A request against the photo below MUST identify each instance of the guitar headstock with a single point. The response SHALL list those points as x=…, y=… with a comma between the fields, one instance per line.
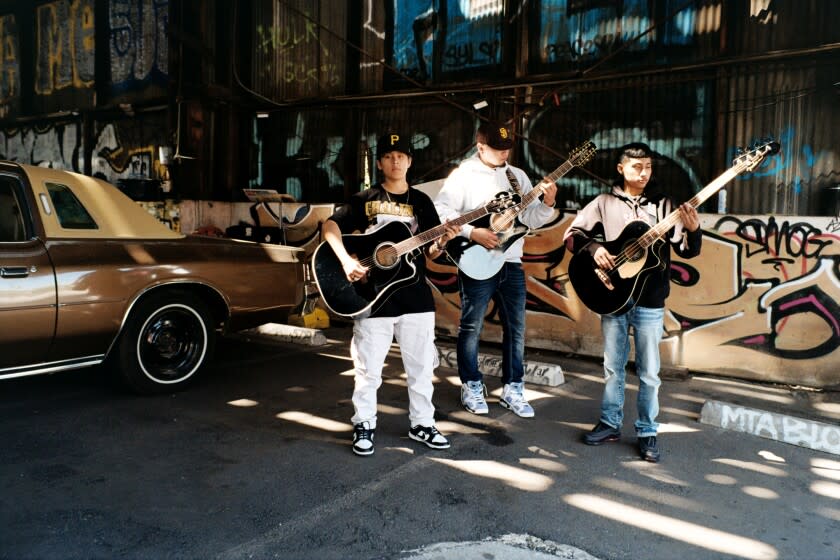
x=583, y=153
x=751, y=159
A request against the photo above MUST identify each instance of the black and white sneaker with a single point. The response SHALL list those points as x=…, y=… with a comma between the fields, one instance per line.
x=428, y=435
x=362, y=439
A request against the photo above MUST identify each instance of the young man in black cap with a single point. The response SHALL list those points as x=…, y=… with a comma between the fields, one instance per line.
x=634, y=196
x=409, y=314
x=476, y=181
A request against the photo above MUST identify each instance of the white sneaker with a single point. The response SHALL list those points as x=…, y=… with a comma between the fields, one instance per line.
x=472, y=397
x=514, y=399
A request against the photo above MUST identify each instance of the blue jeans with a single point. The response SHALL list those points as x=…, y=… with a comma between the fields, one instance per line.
x=647, y=333
x=507, y=290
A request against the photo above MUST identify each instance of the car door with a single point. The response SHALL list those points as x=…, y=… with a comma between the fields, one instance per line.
x=27, y=285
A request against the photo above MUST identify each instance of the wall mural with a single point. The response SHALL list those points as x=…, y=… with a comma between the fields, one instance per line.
x=139, y=43
x=54, y=145
x=124, y=149
x=467, y=33
x=9, y=65
x=64, y=35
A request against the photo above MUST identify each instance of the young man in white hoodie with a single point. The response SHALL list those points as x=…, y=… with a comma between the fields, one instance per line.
x=476, y=181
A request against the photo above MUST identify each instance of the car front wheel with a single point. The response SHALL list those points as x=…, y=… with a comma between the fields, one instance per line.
x=168, y=339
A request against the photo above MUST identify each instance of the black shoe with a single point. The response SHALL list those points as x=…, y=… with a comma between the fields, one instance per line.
x=648, y=449
x=601, y=433
x=429, y=435
x=362, y=439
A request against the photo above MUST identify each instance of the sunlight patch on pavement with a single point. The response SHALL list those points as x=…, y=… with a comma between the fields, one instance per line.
x=751, y=466
x=578, y=425
x=644, y=493
x=449, y=427
x=406, y=450
x=830, y=408
x=691, y=533
x=687, y=398
x=827, y=489
x=749, y=390
x=681, y=412
x=655, y=471
x=540, y=451
x=314, y=421
x=760, y=492
x=826, y=468
x=470, y=418
x=397, y=382
x=512, y=476
x=672, y=428
x=388, y=409
x=829, y=513
x=543, y=464
x=530, y=394
x=724, y=479
x=589, y=377
x=243, y=403
x=770, y=456
x=334, y=356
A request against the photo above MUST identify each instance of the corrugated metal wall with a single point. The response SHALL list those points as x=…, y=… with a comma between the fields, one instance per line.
x=299, y=49
x=785, y=101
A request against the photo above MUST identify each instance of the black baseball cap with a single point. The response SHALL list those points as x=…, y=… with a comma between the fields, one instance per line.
x=495, y=135
x=392, y=142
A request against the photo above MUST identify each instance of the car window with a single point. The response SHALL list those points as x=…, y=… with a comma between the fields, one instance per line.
x=71, y=214
x=11, y=215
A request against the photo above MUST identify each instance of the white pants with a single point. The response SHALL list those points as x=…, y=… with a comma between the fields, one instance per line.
x=372, y=337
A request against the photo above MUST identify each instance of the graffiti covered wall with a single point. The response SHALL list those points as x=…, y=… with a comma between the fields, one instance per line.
x=761, y=302
x=64, y=45
x=139, y=44
x=122, y=149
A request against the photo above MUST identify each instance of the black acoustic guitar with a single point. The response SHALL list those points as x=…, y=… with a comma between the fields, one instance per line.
x=638, y=250
x=388, y=253
x=481, y=263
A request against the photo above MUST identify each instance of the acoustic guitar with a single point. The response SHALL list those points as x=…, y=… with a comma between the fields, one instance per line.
x=638, y=249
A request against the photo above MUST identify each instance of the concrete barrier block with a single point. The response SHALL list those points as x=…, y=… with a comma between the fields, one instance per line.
x=290, y=333
x=539, y=373
x=803, y=432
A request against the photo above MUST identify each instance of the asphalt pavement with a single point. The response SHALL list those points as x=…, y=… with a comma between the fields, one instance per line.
x=255, y=462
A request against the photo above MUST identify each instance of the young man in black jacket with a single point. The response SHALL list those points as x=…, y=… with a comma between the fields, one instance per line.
x=633, y=198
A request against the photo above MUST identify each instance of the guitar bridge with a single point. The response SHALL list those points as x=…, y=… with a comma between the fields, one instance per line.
x=602, y=276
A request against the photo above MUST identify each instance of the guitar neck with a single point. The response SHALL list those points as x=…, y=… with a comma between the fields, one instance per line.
x=421, y=239
x=534, y=193
x=661, y=228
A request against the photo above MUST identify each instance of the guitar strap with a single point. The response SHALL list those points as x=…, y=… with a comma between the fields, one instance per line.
x=514, y=183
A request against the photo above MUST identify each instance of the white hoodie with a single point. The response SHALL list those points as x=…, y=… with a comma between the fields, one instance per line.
x=474, y=183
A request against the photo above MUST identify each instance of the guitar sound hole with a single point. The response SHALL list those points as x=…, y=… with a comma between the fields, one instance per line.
x=501, y=222
x=385, y=256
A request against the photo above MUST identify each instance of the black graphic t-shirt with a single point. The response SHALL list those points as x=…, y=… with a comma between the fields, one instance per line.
x=369, y=210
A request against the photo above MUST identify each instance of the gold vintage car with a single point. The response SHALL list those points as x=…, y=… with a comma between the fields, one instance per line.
x=87, y=276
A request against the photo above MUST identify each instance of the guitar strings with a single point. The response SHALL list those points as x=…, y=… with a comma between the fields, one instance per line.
x=646, y=240
x=392, y=252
